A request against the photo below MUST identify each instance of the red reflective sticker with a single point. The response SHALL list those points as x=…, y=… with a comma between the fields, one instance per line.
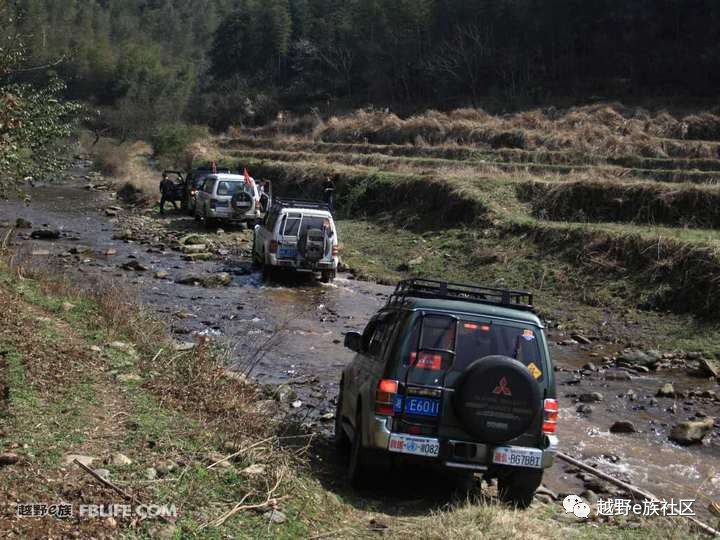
x=430, y=361
x=471, y=326
x=485, y=328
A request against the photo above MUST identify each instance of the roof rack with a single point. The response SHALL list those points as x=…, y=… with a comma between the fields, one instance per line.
x=301, y=203
x=445, y=290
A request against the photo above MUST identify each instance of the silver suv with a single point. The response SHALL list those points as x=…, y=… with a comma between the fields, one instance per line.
x=298, y=235
x=228, y=197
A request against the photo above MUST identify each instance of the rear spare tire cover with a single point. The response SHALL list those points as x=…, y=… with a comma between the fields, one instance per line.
x=241, y=199
x=496, y=399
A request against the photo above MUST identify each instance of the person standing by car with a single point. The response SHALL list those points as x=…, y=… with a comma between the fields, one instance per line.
x=329, y=193
x=167, y=193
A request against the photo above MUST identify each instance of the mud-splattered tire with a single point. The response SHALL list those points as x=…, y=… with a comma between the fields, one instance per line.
x=357, y=472
x=327, y=276
x=517, y=488
x=341, y=439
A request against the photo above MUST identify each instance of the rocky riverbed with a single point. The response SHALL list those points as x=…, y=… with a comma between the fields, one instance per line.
x=645, y=416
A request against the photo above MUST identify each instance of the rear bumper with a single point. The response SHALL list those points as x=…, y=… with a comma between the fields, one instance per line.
x=379, y=434
x=302, y=266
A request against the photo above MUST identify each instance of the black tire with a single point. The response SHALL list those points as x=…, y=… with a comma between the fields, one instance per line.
x=341, y=439
x=497, y=399
x=327, y=276
x=357, y=472
x=257, y=261
x=517, y=487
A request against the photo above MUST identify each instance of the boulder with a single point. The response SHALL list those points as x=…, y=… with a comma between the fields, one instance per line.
x=584, y=408
x=68, y=459
x=161, y=274
x=8, y=458
x=22, y=223
x=691, y=431
x=194, y=248
x=591, y=397
x=135, y=266
x=222, y=279
x=623, y=426
x=197, y=257
x=45, y=234
x=120, y=460
x=666, y=390
x=709, y=368
x=636, y=357
x=192, y=239
x=617, y=375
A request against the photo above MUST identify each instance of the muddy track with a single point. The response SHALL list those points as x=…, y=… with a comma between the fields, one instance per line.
x=299, y=325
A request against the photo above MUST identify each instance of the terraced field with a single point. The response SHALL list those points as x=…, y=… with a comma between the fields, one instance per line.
x=628, y=225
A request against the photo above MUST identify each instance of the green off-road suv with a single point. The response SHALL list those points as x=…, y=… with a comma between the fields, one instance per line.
x=456, y=376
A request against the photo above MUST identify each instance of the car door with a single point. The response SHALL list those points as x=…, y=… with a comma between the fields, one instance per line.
x=290, y=228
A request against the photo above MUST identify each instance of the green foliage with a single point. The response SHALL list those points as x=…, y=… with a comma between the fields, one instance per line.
x=170, y=140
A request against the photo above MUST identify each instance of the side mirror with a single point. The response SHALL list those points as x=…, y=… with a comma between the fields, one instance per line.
x=353, y=341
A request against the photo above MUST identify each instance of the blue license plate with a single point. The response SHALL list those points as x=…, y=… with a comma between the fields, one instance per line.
x=418, y=406
x=287, y=253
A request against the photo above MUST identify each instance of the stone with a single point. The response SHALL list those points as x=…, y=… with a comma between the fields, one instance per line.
x=623, y=426
x=151, y=473
x=67, y=306
x=102, y=473
x=8, y=458
x=68, y=459
x=222, y=279
x=194, y=248
x=328, y=417
x=666, y=390
x=709, y=368
x=191, y=239
x=256, y=469
x=547, y=491
x=591, y=397
x=275, y=516
x=617, y=375
x=691, y=431
x=79, y=250
x=166, y=467
x=635, y=357
x=590, y=367
x=22, y=223
x=120, y=346
x=285, y=393
x=40, y=253
x=161, y=274
x=183, y=346
x=45, y=234
x=584, y=408
x=198, y=257
x=134, y=265
x=120, y=460
x=296, y=404
x=110, y=252
x=581, y=339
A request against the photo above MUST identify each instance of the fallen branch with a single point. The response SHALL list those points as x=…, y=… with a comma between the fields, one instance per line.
x=632, y=489
x=109, y=484
x=241, y=451
x=270, y=501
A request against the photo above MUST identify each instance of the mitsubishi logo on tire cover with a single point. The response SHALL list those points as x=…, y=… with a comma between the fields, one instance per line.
x=502, y=388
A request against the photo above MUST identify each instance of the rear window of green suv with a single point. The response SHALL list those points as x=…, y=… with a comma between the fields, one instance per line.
x=439, y=343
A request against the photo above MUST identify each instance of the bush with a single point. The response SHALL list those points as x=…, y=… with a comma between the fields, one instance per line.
x=169, y=141
x=111, y=158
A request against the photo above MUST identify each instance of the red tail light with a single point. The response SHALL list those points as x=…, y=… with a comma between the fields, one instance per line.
x=335, y=250
x=273, y=246
x=385, y=397
x=193, y=192
x=550, y=415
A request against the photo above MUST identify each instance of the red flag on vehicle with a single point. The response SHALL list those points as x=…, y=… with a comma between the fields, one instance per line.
x=248, y=179
x=214, y=167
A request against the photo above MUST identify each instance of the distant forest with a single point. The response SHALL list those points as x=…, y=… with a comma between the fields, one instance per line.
x=143, y=63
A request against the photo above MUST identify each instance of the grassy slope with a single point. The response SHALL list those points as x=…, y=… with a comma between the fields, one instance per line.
x=63, y=397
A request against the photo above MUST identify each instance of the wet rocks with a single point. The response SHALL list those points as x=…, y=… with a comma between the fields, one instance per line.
x=161, y=274
x=45, y=234
x=134, y=266
x=666, y=390
x=691, y=431
x=709, y=368
x=591, y=397
x=21, y=223
x=222, y=279
x=581, y=339
x=617, y=375
x=623, y=426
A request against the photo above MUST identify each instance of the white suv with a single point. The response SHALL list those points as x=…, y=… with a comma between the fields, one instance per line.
x=298, y=235
x=228, y=197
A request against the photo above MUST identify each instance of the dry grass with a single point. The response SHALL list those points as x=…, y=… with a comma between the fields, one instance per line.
x=604, y=130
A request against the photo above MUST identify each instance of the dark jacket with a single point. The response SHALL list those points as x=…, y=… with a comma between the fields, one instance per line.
x=167, y=188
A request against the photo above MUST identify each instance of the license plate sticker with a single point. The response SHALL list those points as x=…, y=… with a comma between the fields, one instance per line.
x=418, y=446
x=287, y=253
x=515, y=456
x=418, y=406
